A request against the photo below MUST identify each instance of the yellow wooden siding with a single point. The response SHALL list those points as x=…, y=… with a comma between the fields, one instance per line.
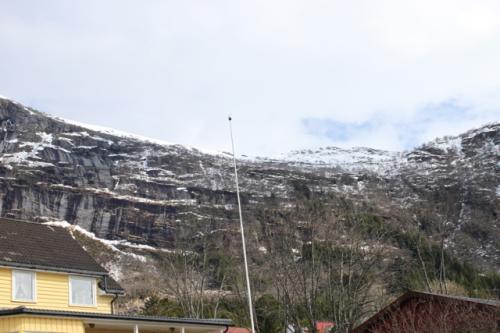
x=52, y=293
x=10, y=324
x=45, y=324
x=117, y=330
x=40, y=324
x=164, y=329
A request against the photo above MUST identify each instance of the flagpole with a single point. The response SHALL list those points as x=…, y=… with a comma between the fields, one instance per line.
x=250, y=307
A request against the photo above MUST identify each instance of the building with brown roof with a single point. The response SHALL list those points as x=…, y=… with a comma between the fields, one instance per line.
x=49, y=283
x=421, y=312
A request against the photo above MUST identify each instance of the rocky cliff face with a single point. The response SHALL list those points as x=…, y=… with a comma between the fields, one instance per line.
x=127, y=188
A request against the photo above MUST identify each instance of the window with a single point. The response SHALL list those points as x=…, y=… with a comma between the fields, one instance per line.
x=23, y=286
x=82, y=291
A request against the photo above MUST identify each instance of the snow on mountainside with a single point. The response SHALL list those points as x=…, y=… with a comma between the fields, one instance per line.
x=381, y=161
x=130, y=136
x=354, y=159
x=122, y=187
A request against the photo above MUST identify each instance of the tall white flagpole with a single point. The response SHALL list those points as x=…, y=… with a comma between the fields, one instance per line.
x=250, y=307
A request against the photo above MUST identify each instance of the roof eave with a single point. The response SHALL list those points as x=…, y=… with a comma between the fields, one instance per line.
x=52, y=268
x=111, y=317
x=115, y=292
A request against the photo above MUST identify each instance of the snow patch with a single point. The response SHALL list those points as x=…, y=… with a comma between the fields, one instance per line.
x=110, y=244
x=86, y=134
x=262, y=249
x=448, y=144
x=354, y=159
x=130, y=136
x=29, y=157
x=115, y=270
x=130, y=198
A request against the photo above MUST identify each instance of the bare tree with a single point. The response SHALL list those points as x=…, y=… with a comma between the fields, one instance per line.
x=297, y=270
x=351, y=264
x=189, y=277
x=324, y=268
x=187, y=280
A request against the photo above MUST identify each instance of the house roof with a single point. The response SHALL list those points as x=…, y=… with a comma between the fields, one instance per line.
x=491, y=302
x=39, y=246
x=380, y=315
x=108, y=284
x=118, y=317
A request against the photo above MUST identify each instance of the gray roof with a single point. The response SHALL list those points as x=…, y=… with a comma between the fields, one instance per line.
x=90, y=315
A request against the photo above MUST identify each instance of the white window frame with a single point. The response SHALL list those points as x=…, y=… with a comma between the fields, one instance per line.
x=33, y=286
x=94, y=290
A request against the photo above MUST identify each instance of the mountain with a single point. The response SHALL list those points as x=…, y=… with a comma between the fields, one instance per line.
x=143, y=194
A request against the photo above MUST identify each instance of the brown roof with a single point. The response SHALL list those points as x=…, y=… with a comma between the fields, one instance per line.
x=380, y=315
x=39, y=246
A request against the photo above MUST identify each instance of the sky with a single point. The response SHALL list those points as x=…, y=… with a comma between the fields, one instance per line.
x=292, y=74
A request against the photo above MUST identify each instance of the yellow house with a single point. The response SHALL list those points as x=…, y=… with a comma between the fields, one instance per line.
x=50, y=284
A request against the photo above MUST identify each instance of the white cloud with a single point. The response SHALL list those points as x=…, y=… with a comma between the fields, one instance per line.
x=175, y=70
x=422, y=27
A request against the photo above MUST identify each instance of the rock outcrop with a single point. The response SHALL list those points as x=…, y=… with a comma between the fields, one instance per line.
x=120, y=186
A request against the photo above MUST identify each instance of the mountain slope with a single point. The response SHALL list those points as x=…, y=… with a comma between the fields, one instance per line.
x=124, y=187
